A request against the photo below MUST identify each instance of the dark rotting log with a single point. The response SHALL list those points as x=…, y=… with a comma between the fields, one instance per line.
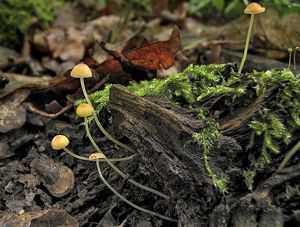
x=160, y=133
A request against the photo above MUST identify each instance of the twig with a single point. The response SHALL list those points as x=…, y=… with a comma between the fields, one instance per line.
x=33, y=109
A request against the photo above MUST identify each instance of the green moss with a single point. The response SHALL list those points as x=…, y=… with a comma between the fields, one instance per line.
x=279, y=117
x=17, y=15
x=206, y=139
x=193, y=85
x=99, y=99
x=249, y=178
x=216, y=91
x=270, y=128
x=170, y=88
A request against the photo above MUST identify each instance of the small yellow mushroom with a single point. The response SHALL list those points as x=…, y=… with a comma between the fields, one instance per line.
x=81, y=71
x=84, y=110
x=252, y=9
x=59, y=142
x=96, y=155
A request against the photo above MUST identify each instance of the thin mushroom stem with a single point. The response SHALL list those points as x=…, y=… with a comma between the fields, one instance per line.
x=247, y=44
x=295, y=52
x=289, y=155
x=290, y=50
x=115, y=168
x=99, y=123
x=127, y=201
x=100, y=160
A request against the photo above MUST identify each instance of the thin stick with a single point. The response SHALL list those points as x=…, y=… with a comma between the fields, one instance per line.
x=127, y=201
x=289, y=155
x=35, y=110
x=100, y=160
x=98, y=122
x=117, y=169
x=247, y=44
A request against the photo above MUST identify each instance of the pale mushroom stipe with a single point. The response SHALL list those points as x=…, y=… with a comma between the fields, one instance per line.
x=253, y=8
x=295, y=52
x=290, y=50
x=85, y=110
x=82, y=71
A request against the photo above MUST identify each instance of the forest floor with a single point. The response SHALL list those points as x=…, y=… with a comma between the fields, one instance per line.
x=165, y=84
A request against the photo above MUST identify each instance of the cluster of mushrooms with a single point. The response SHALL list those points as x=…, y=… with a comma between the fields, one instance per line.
x=84, y=110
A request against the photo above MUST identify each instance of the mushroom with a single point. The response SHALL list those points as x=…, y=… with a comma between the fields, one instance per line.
x=59, y=142
x=290, y=50
x=84, y=110
x=96, y=155
x=129, y=202
x=115, y=168
x=295, y=51
x=253, y=8
x=82, y=71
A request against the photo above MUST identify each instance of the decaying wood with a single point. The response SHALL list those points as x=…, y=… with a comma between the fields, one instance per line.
x=159, y=133
x=235, y=121
x=167, y=160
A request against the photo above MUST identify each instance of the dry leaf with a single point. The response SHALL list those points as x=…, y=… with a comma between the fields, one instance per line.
x=71, y=43
x=17, y=81
x=12, y=112
x=150, y=56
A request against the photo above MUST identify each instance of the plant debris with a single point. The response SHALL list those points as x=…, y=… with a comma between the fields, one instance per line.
x=12, y=112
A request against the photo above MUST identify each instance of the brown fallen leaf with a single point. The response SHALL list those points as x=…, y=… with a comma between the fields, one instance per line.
x=38, y=218
x=71, y=43
x=12, y=112
x=150, y=56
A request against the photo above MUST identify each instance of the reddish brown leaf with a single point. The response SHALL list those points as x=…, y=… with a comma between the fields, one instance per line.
x=150, y=56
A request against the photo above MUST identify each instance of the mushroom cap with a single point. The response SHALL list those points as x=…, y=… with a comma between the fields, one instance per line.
x=59, y=142
x=84, y=110
x=254, y=8
x=96, y=155
x=81, y=71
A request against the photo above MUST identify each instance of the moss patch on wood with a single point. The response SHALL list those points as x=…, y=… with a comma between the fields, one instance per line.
x=216, y=92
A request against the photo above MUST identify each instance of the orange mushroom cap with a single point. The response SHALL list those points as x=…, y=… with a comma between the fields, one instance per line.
x=254, y=8
x=81, y=71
